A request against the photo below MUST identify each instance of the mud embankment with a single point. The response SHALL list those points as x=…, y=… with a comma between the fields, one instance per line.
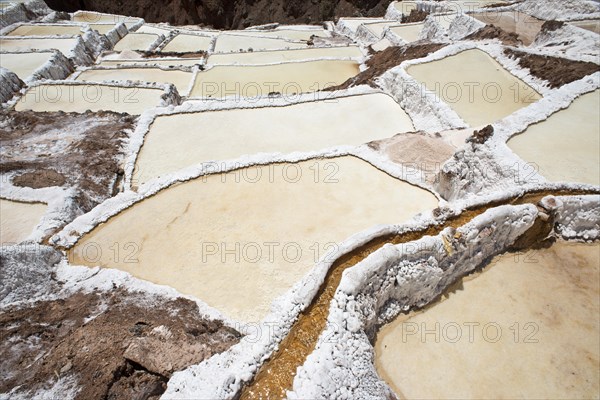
x=117, y=345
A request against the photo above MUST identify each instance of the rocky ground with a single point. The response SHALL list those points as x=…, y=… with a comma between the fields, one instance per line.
x=230, y=14
x=40, y=150
x=109, y=345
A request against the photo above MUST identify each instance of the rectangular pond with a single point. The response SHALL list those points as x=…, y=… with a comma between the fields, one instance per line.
x=475, y=85
x=526, y=327
x=278, y=56
x=18, y=220
x=228, y=43
x=24, y=64
x=180, y=79
x=262, y=80
x=82, y=97
x=239, y=240
x=181, y=140
x=564, y=148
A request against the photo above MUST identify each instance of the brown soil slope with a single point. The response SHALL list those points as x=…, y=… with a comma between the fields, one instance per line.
x=53, y=149
x=118, y=345
x=229, y=14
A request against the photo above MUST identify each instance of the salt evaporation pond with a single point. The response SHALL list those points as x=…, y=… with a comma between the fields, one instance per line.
x=45, y=30
x=24, y=64
x=64, y=45
x=184, y=43
x=290, y=34
x=228, y=43
x=153, y=29
x=476, y=86
x=405, y=7
x=136, y=41
x=592, y=25
x=239, y=240
x=166, y=62
x=278, y=56
x=181, y=140
x=408, y=32
x=19, y=220
x=82, y=97
x=526, y=327
x=180, y=79
x=526, y=26
x=103, y=28
x=94, y=17
x=353, y=23
x=565, y=146
x=261, y=80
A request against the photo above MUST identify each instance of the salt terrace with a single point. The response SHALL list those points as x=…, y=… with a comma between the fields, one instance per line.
x=302, y=211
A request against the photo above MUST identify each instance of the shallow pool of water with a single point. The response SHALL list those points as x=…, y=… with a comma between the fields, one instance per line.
x=228, y=43
x=103, y=28
x=180, y=79
x=237, y=241
x=64, y=45
x=19, y=220
x=476, y=86
x=188, y=43
x=526, y=327
x=167, y=62
x=565, y=146
x=45, y=30
x=278, y=56
x=526, y=26
x=291, y=34
x=592, y=25
x=136, y=41
x=24, y=64
x=262, y=80
x=93, y=17
x=82, y=97
x=408, y=32
x=353, y=23
x=181, y=140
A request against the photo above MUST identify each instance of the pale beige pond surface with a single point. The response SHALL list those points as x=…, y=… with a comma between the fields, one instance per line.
x=291, y=34
x=136, y=41
x=188, y=43
x=592, y=25
x=227, y=43
x=23, y=64
x=527, y=327
x=180, y=79
x=526, y=26
x=277, y=56
x=354, y=23
x=181, y=140
x=565, y=147
x=45, y=30
x=21, y=44
x=476, y=86
x=18, y=220
x=103, y=28
x=405, y=7
x=92, y=17
x=153, y=29
x=167, y=62
x=82, y=97
x=237, y=241
x=260, y=80
x=409, y=32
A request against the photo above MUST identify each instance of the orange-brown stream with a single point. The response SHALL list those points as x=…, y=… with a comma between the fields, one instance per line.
x=277, y=374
